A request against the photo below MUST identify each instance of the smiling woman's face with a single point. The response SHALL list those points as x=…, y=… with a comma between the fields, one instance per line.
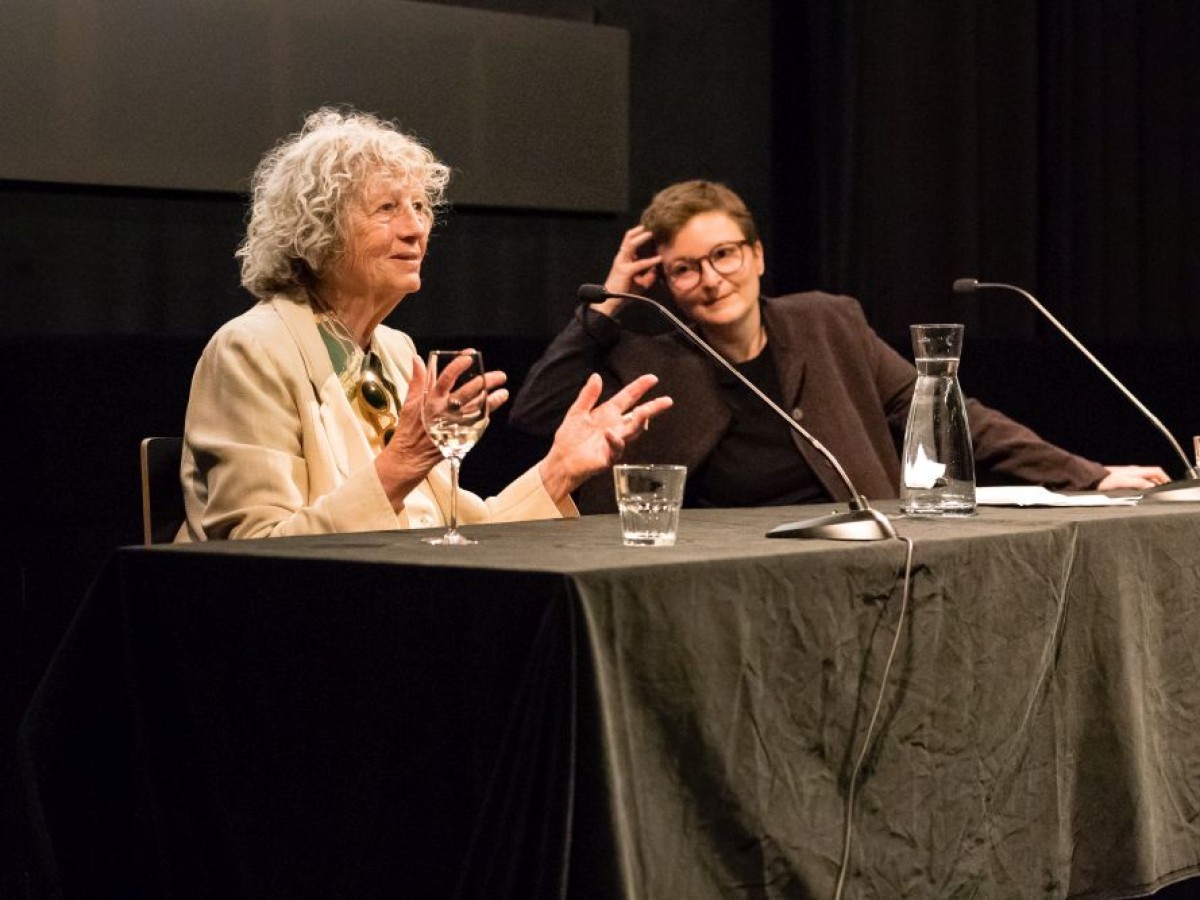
x=386, y=230
x=716, y=301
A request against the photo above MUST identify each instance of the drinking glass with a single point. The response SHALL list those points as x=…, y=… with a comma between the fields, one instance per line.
x=455, y=412
x=648, y=499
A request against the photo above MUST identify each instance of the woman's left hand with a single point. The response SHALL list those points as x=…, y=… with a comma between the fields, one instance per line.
x=592, y=437
x=1135, y=477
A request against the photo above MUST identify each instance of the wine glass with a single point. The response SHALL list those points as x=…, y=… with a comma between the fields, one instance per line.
x=455, y=412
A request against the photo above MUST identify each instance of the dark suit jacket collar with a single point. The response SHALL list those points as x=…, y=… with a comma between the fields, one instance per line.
x=787, y=348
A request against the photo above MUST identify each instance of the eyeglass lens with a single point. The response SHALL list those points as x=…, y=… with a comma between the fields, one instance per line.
x=726, y=259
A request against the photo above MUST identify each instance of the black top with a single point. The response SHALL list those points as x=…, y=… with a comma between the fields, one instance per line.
x=755, y=462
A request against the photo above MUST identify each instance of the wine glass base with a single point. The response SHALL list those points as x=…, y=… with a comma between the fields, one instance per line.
x=450, y=538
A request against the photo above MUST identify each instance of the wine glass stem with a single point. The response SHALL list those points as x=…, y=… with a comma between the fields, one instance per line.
x=454, y=464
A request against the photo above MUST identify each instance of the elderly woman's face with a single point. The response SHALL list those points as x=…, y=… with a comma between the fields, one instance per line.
x=385, y=230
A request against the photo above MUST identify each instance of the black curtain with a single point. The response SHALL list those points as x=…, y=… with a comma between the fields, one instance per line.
x=1050, y=144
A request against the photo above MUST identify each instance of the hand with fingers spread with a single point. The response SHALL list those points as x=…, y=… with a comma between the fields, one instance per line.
x=593, y=436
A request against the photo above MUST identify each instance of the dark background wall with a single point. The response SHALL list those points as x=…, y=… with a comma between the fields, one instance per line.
x=886, y=147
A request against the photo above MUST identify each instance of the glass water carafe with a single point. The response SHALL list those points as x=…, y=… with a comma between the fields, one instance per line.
x=937, y=475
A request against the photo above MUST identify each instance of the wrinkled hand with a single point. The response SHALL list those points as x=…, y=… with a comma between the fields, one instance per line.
x=410, y=455
x=1136, y=477
x=466, y=396
x=593, y=437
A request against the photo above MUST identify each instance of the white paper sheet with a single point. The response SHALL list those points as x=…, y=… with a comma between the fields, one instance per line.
x=1032, y=495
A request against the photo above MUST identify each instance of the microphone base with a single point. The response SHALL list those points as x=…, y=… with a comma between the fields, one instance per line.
x=1186, y=490
x=855, y=525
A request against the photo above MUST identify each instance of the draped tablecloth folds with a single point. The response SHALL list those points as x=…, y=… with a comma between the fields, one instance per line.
x=551, y=714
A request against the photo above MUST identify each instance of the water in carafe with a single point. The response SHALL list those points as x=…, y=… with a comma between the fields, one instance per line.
x=937, y=475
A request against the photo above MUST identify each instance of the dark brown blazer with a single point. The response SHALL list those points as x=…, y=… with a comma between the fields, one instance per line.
x=839, y=379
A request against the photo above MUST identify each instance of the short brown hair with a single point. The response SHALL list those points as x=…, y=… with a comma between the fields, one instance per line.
x=674, y=206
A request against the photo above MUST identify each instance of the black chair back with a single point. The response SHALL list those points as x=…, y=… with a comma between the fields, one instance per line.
x=162, y=493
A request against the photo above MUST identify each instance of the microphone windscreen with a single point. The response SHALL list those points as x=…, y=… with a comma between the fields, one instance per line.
x=592, y=293
x=965, y=286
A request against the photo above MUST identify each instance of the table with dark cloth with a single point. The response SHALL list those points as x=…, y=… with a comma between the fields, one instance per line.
x=551, y=714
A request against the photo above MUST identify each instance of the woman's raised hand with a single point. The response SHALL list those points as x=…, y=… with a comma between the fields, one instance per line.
x=630, y=272
x=410, y=454
x=592, y=436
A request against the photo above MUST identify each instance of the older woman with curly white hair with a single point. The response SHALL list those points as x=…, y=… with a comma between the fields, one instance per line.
x=298, y=420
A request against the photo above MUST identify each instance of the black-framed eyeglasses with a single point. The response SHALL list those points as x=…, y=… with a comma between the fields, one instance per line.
x=376, y=400
x=726, y=258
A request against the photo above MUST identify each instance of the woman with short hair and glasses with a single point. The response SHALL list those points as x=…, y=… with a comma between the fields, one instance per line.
x=305, y=413
x=813, y=353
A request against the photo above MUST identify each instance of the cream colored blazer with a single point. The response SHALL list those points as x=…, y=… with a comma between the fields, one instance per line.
x=273, y=447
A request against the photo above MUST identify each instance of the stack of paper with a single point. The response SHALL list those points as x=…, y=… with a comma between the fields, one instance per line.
x=1031, y=495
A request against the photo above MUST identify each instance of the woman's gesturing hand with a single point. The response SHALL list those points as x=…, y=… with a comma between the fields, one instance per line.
x=592, y=437
x=410, y=454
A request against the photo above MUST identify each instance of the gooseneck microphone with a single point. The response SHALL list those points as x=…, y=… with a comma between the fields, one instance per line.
x=861, y=523
x=1187, y=489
